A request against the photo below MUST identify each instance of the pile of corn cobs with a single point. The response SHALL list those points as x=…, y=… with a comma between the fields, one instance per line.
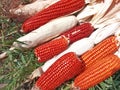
x=75, y=38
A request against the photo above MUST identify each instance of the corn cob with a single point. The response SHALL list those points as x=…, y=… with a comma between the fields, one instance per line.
x=65, y=68
x=99, y=71
x=81, y=31
x=104, y=32
x=50, y=49
x=23, y=12
x=56, y=46
x=104, y=48
x=58, y=9
x=47, y=32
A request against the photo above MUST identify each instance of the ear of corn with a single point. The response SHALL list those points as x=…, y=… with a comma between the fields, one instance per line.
x=99, y=71
x=46, y=32
x=106, y=32
x=50, y=49
x=81, y=31
x=104, y=48
x=58, y=9
x=24, y=12
x=65, y=68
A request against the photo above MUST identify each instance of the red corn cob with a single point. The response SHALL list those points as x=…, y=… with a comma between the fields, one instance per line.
x=50, y=49
x=56, y=46
x=104, y=48
x=65, y=68
x=99, y=71
x=58, y=9
x=81, y=31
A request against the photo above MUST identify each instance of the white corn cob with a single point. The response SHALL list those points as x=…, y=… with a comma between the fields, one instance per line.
x=79, y=47
x=102, y=33
x=46, y=32
x=32, y=8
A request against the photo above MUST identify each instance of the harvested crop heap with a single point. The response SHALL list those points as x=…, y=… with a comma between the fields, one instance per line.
x=75, y=39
